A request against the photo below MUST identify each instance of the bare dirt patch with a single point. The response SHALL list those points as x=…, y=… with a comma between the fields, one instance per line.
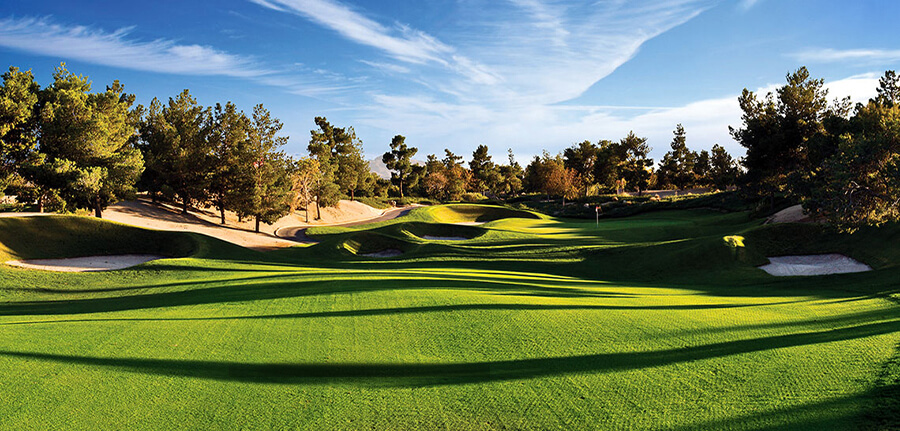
x=820, y=264
x=86, y=263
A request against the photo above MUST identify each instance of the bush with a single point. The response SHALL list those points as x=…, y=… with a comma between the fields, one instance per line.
x=473, y=197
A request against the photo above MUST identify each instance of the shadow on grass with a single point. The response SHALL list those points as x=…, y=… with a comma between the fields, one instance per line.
x=285, y=286
x=425, y=374
x=415, y=310
x=850, y=412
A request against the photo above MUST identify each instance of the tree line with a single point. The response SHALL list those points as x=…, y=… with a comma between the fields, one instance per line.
x=841, y=162
x=582, y=170
x=64, y=147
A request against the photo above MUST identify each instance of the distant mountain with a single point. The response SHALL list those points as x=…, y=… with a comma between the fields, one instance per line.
x=378, y=167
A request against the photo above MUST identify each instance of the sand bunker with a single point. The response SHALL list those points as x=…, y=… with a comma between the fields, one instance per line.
x=444, y=238
x=87, y=263
x=793, y=214
x=470, y=223
x=391, y=252
x=820, y=264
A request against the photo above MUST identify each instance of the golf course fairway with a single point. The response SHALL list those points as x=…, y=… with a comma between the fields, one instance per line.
x=654, y=321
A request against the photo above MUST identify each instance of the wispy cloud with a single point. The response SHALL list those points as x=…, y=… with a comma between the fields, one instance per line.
x=747, y=4
x=386, y=67
x=401, y=42
x=118, y=49
x=41, y=36
x=510, y=52
x=828, y=55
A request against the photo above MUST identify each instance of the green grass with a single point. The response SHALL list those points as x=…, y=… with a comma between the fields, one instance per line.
x=647, y=322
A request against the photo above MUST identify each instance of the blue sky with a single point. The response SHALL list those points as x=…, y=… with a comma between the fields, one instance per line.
x=521, y=74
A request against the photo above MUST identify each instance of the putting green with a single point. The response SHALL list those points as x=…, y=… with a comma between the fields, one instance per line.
x=649, y=322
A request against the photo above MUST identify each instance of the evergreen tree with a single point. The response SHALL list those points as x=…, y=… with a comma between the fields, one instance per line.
x=777, y=131
x=636, y=166
x=92, y=133
x=177, y=147
x=511, y=176
x=18, y=123
x=609, y=164
x=701, y=168
x=398, y=160
x=271, y=194
x=723, y=170
x=230, y=174
x=352, y=169
x=582, y=158
x=457, y=175
x=677, y=165
x=331, y=146
x=485, y=174
x=859, y=183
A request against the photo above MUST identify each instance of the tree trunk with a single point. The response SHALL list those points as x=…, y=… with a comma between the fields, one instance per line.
x=257, y=224
x=222, y=212
x=98, y=210
x=40, y=203
x=318, y=211
x=401, y=188
x=352, y=194
x=306, y=210
x=184, y=205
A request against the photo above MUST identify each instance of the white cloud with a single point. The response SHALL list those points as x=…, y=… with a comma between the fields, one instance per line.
x=533, y=128
x=827, y=55
x=118, y=49
x=40, y=36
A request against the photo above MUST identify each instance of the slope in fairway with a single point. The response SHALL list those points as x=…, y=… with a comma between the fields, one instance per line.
x=650, y=322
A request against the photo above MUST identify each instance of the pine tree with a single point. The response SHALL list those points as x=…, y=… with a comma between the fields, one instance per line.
x=93, y=133
x=399, y=160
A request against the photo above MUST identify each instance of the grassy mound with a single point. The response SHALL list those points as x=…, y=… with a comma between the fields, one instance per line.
x=53, y=237
x=421, y=230
x=463, y=213
x=363, y=243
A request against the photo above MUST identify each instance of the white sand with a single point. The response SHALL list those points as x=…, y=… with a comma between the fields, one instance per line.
x=470, y=223
x=793, y=214
x=445, y=238
x=390, y=252
x=87, y=263
x=819, y=264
